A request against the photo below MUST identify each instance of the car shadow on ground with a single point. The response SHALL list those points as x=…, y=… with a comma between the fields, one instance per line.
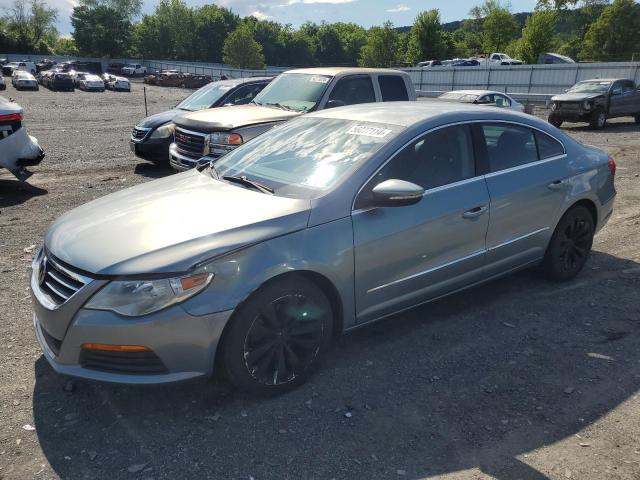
x=153, y=170
x=14, y=192
x=476, y=380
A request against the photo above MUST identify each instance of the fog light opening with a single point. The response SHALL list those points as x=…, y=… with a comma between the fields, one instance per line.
x=115, y=348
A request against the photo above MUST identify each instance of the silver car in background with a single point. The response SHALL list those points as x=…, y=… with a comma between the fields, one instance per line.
x=322, y=225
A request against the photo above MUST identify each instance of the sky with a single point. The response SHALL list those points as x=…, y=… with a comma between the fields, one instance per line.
x=296, y=12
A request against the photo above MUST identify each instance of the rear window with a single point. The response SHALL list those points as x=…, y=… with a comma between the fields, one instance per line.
x=547, y=146
x=393, y=88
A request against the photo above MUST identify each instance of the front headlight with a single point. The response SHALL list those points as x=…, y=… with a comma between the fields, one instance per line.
x=134, y=298
x=587, y=105
x=165, y=131
x=220, y=143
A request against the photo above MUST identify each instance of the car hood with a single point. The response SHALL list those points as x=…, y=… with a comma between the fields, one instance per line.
x=169, y=225
x=154, y=121
x=228, y=118
x=575, y=97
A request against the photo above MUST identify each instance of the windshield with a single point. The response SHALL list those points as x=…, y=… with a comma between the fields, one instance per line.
x=204, y=97
x=590, y=87
x=306, y=156
x=295, y=91
x=460, y=97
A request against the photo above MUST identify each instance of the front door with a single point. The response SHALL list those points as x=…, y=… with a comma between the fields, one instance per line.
x=407, y=255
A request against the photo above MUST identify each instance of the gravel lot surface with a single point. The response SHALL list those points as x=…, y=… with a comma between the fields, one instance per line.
x=517, y=379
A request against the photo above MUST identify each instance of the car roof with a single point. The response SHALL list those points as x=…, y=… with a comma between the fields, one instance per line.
x=476, y=92
x=602, y=80
x=232, y=82
x=343, y=70
x=407, y=114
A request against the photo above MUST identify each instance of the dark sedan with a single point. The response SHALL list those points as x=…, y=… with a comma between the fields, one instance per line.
x=151, y=137
x=61, y=82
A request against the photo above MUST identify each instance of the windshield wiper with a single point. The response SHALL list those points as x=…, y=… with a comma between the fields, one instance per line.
x=243, y=180
x=278, y=105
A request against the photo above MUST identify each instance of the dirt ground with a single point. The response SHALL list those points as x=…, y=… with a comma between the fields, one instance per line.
x=517, y=379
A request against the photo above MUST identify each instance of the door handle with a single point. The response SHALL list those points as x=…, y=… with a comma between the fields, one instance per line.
x=557, y=185
x=474, y=212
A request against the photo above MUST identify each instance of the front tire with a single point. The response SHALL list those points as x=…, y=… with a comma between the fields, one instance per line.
x=555, y=120
x=570, y=244
x=278, y=336
x=598, y=120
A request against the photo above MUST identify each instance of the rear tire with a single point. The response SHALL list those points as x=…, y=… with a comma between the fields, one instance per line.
x=555, y=120
x=598, y=120
x=278, y=336
x=570, y=244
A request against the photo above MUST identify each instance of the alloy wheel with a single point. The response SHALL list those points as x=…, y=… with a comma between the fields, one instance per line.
x=575, y=244
x=283, y=339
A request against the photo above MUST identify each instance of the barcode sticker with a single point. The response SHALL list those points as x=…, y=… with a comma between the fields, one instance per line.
x=369, y=131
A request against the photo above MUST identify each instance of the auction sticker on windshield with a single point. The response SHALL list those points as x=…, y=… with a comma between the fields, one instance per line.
x=376, y=132
x=318, y=79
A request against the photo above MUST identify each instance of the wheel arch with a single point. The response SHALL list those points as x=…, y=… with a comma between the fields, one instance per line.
x=589, y=205
x=321, y=281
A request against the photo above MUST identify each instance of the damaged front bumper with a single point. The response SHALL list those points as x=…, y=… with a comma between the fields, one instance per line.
x=20, y=150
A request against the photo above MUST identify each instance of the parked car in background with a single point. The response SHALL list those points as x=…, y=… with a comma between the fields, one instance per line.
x=107, y=78
x=554, y=58
x=77, y=77
x=91, y=83
x=322, y=225
x=22, y=80
x=23, y=65
x=3, y=84
x=61, y=81
x=196, y=81
x=503, y=59
x=170, y=79
x=135, y=70
x=44, y=77
x=483, y=97
x=209, y=134
x=429, y=64
x=115, y=68
x=151, y=137
x=595, y=101
x=45, y=64
x=119, y=84
x=465, y=62
x=18, y=150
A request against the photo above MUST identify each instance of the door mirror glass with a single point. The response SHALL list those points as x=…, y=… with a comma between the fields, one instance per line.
x=335, y=103
x=396, y=193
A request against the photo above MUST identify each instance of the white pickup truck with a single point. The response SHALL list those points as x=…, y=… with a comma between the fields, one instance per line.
x=134, y=70
x=502, y=59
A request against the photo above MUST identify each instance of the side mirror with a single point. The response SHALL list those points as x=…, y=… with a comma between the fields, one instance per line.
x=616, y=92
x=335, y=103
x=396, y=193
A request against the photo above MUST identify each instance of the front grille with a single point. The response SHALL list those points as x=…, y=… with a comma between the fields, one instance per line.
x=122, y=362
x=189, y=144
x=569, y=105
x=54, y=343
x=59, y=282
x=139, y=133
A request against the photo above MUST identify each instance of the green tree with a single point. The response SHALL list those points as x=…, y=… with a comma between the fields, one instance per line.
x=352, y=39
x=499, y=26
x=298, y=48
x=101, y=31
x=538, y=36
x=212, y=26
x=426, y=40
x=30, y=26
x=66, y=46
x=381, y=49
x=241, y=50
x=615, y=35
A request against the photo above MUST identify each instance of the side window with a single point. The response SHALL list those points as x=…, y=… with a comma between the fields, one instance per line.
x=242, y=95
x=393, y=88
x=548, y=146
x=627, y=86
x=509, y=146
x=353, y=90
x=438, y=158
x=502, y=101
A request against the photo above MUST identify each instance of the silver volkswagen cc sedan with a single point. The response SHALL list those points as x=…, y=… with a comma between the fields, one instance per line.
x=326, y=223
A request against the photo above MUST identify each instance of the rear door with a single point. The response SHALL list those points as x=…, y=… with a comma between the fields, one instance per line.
x=630, y=97
x=526, y=181
x=393, y=88
x=406, y=255
x=617, y=105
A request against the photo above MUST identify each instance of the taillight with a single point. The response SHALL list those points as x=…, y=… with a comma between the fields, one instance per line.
x=611, y=163
x=11, y=117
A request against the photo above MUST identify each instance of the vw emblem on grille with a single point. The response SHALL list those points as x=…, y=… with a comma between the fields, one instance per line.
x=42, y=270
